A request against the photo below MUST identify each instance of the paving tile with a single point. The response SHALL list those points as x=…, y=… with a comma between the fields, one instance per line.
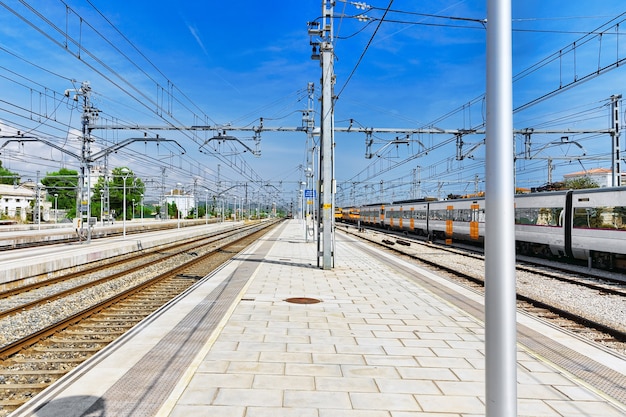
x=353, y=413
x=437, y=374
x=407, y=386
x=390, y=360
x=450, y=403
x=436, y=362
x=190, y=410
x=384, y=401
x=249, y=397
x=283, y=382
x=312, y=369
x=210, y=380
x=345, y=384
x=317, y=399
x=251, y=367
x=279, y=412
x=371, y=371
x=285, y=357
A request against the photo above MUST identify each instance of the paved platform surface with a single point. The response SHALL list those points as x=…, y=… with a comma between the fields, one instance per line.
x=379, y=344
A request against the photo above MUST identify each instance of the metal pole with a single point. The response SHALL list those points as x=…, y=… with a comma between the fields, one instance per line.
x=102, y=207
x=326, y=137
x=178, y=185
x=38, y=188
x=616, y=173
x=124, y=206
x=500, y=307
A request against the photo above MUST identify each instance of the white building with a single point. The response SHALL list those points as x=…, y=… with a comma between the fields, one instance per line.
x=184, y=202
x=15, y=201
x=603, y=176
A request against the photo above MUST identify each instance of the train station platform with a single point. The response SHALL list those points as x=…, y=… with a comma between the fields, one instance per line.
x=46, y=260
x=386, y=339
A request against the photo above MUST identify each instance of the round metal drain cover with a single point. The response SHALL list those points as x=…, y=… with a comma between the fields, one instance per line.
x=303, y=300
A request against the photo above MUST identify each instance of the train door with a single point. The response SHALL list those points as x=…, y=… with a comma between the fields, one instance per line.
x=449, y=224
x=474, y=234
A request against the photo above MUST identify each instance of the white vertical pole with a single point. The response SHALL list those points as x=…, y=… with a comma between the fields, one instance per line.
x=500, y=307
x=326, y=137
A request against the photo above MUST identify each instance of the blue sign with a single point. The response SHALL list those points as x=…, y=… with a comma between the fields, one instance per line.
x=309, y=193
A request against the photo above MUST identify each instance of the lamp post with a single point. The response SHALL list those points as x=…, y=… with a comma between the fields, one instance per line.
x=206, y=207
x=133, y=215
x=302, y=202
x=141, y=207
x=102, y=207
x=39, y=187
x=178, y=186
x=56, y=206
x=125, y=173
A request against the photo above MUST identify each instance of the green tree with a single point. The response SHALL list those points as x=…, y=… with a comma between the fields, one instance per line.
x=65, y=184
x=172, y=210
x=580, y=183
x=8, y=177
x=134, y=189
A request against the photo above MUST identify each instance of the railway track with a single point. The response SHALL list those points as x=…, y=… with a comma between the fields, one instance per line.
x=31, y=292
x=610, y=333
x=35, y=361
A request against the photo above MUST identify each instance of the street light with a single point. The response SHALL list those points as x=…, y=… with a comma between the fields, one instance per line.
x=178, y=186
x=133, y=215
x=125, y=173
x=141, y=207
x=56, y=207
x=102, y=207
x=39, y=187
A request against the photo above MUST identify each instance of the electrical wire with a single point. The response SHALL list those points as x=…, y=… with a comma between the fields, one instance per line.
x=364, y=51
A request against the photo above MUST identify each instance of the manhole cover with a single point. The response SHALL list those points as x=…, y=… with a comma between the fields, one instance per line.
x=303, y=300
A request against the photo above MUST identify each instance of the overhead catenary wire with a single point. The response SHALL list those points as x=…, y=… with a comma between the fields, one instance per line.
x=364, y=51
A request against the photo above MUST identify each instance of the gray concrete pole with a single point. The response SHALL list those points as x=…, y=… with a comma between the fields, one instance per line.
x=326, y=140
x=500, y=306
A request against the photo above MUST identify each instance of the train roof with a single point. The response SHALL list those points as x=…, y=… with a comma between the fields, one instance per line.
x=416, y=200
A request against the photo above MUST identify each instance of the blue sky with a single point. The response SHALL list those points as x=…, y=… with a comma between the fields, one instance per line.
x=164, y=63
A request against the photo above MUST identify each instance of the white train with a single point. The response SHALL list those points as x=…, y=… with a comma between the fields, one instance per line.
x=583, y=224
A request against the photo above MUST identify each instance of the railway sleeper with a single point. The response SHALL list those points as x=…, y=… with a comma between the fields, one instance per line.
x=67, y=349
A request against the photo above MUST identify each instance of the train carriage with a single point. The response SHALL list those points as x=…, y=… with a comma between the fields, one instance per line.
x=457, y=219
x=583, y=224
x=598, y=225
x=409, y=216
x=350, y=215
x=372, y=215
x=539, y=223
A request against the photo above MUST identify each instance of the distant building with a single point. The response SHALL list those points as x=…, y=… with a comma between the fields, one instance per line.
x=15, y=201
x=184, y=202
x=603, y=176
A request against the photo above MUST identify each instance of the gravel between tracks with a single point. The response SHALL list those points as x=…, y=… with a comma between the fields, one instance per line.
x=22, y=324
